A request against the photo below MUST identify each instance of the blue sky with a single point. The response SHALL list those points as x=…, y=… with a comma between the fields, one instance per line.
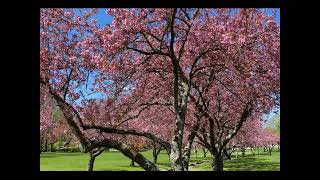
x=103, y=18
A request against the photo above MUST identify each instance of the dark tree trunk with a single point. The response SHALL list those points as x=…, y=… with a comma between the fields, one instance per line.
x=218, y=162
x=46, y=146
x=253, y=151
x=168, y=153
x=186, y=158
x=188, y=147
x=186, y=155
x=51, y=147
x=243, y=150
x=196, y=152
x=270, y=150
x=155, y=159
x=155, y=154
x=226, y=155
x=132, y=163
x=91, y=162
x=41, y=143
x=204, y=152
x=230, y=153
x=93, y=154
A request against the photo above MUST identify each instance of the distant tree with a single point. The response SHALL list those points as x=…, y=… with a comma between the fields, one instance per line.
x=274, y=125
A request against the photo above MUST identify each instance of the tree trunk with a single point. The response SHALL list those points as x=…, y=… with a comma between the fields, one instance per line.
x=51, y=147
x=132, y=163
x=155, y=154
x=91, y=162
x=270, y=150
x=218, y=162
x=258, y=150
x=204, y=152
x=46, y=146
x=186, y=156
x=155, y=159
x=188, y=147
x=226, y=155
x=41, y=143
x=231, y=152
x=176, y=145
x=253, y=151
x=93, y=154
x=196, y=152
x=181, y=91
x=243, y=150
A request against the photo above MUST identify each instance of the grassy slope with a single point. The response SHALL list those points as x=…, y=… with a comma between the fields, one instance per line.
x=115, y=161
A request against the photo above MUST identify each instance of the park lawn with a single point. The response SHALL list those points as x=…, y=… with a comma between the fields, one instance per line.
x=261, y=162
x=107, y=161
x=115, y=161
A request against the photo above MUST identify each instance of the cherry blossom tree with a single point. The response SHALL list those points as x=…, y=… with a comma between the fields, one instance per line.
x=159, y=61
x=269, y=141
x=247, y=88
x=52, y=126
x=63, y=74
x=250, y=136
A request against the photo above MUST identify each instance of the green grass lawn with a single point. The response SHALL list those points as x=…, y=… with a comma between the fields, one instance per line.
x=115, y=161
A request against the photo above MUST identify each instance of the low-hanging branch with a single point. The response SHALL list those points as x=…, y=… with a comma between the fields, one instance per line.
x=131, y=132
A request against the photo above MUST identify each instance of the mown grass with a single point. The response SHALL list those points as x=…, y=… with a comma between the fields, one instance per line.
x=115, y=161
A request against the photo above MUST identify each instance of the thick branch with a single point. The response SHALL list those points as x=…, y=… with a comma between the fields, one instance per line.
x=69, y=112
x=132, y=132
x=124, y=149
x=245, y=114
x=172, y=33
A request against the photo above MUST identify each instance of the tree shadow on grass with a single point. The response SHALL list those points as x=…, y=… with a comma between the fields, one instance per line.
x=200, y=159
x=124, y=168
x=250, y=163
x=167, y=164
x=113, y=170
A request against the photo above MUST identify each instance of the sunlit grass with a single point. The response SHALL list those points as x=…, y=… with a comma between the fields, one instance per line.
x=115, y=161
